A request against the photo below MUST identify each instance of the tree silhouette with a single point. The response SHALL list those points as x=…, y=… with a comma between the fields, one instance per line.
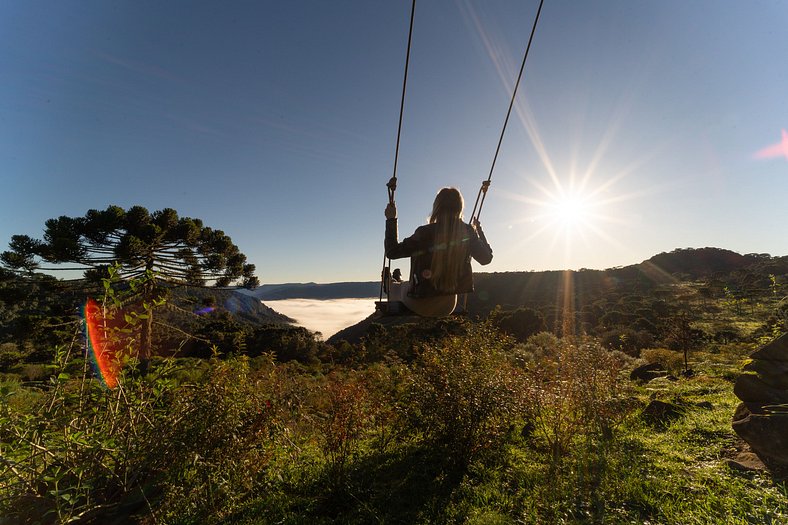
x=174, y=250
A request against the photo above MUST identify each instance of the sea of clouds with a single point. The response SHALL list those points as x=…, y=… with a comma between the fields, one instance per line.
x=327, y=316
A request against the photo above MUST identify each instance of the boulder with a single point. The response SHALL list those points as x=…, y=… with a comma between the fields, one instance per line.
x=768, y=367
x=661, y=412
x=752, y=388
x=777, y=350
x=648, y=372
x=762, y=419
x=767, y=434
x=746, y=461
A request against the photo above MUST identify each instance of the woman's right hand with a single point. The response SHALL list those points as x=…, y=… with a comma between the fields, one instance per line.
x=391, y=211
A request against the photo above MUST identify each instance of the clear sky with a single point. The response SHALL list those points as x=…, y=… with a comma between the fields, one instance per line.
x=640, y=127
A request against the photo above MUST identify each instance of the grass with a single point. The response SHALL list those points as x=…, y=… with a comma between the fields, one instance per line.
x=672, y=475
x=641, y=473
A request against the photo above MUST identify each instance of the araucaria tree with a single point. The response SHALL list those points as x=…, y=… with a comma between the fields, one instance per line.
x=173, y=250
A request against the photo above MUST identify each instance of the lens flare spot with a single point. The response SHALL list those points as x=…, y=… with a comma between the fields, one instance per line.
x=775, y=150
x=102, y=356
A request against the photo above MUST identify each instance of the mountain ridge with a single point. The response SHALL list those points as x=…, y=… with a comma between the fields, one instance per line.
x=694, y=263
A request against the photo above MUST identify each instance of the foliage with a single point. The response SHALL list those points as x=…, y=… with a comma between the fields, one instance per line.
x=179, y=249
x=626, y=340
x=521, y=323
x=440, y=422
x=464, y=391
x=574, y=392
x=131, y=244
x=670, y=359
x=87, y=451
x=343, y=412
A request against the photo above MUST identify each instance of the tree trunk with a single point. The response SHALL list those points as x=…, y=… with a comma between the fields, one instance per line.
x=147, y=335
x=148, y=295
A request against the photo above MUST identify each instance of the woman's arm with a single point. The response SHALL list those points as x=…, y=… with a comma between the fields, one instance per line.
x=480, y=248
x=395, y=249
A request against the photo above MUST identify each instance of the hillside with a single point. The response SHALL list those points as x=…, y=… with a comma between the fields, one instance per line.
x=345, y=290
x=242, y=306
x=610, y=298
x=498, y=419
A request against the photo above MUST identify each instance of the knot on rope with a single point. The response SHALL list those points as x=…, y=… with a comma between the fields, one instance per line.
x=392, y=186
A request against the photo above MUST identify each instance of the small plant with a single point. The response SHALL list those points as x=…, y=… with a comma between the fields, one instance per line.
x=343, y=413
x=670, y=359
x=464, y=392
x=574, y=393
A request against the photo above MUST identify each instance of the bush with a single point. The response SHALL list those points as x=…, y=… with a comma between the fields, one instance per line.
x=521, y=323
x=190, y=448
x=538, y=346
x=670, y=359
x=626, y=340
x=574, y=393
x=12, y=354
x=344, y=412
x=464, y=392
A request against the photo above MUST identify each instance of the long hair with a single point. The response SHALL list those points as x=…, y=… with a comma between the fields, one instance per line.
x=448, y=252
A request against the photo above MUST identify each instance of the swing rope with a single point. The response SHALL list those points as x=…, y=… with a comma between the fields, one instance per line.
x=486, y=184
x=392, y=183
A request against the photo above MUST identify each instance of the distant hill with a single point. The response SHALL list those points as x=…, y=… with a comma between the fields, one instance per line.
x=515, y=288
x=243, y=307
x=575, y=291
x=348, y=290
x=536, y=289
x=698, y=263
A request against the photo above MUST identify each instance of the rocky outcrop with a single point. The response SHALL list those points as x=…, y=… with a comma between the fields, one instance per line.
x=762, y=417
x=648, y=372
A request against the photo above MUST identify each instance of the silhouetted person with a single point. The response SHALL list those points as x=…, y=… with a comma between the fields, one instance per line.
x=440, y=256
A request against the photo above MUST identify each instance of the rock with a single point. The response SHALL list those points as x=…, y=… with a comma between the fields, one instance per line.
x=768, y=367
x=745, y=409
x=746, y=462
x=752, y=388
x=767, y=434
x=762, y=420
x=660, y=412
x=779, y=382
x=777, y=350
x=741, y=412
x=648, y=372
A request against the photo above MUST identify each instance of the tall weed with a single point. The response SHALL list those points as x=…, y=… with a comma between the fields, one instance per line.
x=575, y=392
x=464, y=392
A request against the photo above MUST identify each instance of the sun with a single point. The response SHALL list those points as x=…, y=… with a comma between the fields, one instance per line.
x=574, y=214
x=570, y=210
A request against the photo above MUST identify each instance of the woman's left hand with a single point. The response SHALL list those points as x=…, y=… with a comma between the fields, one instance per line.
x=391, y=211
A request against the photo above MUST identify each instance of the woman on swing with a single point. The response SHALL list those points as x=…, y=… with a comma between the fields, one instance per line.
x=440, y=256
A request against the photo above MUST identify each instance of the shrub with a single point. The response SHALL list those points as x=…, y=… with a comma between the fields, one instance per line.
x=12, y=354
x=464, y=392
x=538, y=346
x=343, y=413
x=191, y=448
x=670, y=359
x=574, y=393
x=521, y=323
x=626, y=340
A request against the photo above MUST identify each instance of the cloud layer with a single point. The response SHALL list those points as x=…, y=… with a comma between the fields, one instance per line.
x=325, y=316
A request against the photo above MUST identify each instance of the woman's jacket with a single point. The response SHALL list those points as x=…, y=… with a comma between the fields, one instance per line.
x=420, y=247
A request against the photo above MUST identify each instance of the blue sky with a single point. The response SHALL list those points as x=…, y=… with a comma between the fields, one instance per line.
x=636, y=127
